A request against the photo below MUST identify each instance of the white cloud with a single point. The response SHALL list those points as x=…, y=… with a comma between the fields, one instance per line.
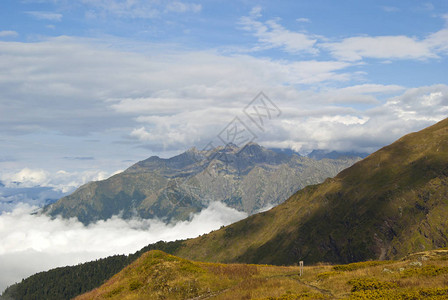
x=381, y=47
x=270, y=34
x=181, y=7
x=175, y=99
x=372, y=88
x=134, y=9
x=303, y=20
x=72, y=86
x=8, y=33
x=438, y=41
x=390, y=9
x=141, y=134
x=32, y=243
x=45, y=15
x=420, y=104
x=364, y=93
x=390, y=47
x=428, y=6
x=311, y=120
x=27, y=178
x=60, y=181
x=349, y=129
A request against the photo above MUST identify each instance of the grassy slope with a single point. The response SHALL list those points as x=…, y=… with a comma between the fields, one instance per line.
x=71, y=281
x=157, y=275
x=392, y=203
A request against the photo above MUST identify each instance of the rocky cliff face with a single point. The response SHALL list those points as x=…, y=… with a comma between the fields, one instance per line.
x=248, y=179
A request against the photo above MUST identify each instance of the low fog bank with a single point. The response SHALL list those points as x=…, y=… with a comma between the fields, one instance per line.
x=35, y=243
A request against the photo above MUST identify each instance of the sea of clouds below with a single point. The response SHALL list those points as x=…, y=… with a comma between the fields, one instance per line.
x=33, y=243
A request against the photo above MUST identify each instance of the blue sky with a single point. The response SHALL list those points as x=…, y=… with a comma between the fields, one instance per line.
x=87, y=87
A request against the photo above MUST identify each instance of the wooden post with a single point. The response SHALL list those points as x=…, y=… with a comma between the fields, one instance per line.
x=301, y=268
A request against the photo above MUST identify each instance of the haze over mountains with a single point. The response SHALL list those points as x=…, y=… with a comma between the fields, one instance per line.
x=248, y=179
x=10, y=197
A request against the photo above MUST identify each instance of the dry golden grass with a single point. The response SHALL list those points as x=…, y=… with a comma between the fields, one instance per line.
x=157, y=275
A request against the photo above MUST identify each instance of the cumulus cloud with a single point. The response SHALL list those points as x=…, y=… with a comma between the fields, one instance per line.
x=32, y=243
x=364, y=130
x=309, y=120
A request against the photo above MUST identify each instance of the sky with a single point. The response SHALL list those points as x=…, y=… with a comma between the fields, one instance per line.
x=89, y=87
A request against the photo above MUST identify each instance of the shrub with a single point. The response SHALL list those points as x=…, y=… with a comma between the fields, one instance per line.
x=428, y=271
x=364, y=284
x=306, y=295
x=325, y=275
x=361, y=265
x=135, y=285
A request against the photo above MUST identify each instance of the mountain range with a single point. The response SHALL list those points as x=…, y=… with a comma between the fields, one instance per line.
x=248, y=179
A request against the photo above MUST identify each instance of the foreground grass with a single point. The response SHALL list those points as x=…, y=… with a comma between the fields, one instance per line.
x=157, y=275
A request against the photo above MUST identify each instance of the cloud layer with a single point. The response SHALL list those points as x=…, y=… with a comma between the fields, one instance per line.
x=61, y=180
x=271, y=34
x=33, y=243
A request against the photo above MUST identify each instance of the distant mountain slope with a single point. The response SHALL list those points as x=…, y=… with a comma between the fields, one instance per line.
x=321, y=154
x=247, y=179
x=392, y=203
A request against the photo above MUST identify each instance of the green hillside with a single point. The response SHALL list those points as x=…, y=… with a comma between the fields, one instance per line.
x=71, y=281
